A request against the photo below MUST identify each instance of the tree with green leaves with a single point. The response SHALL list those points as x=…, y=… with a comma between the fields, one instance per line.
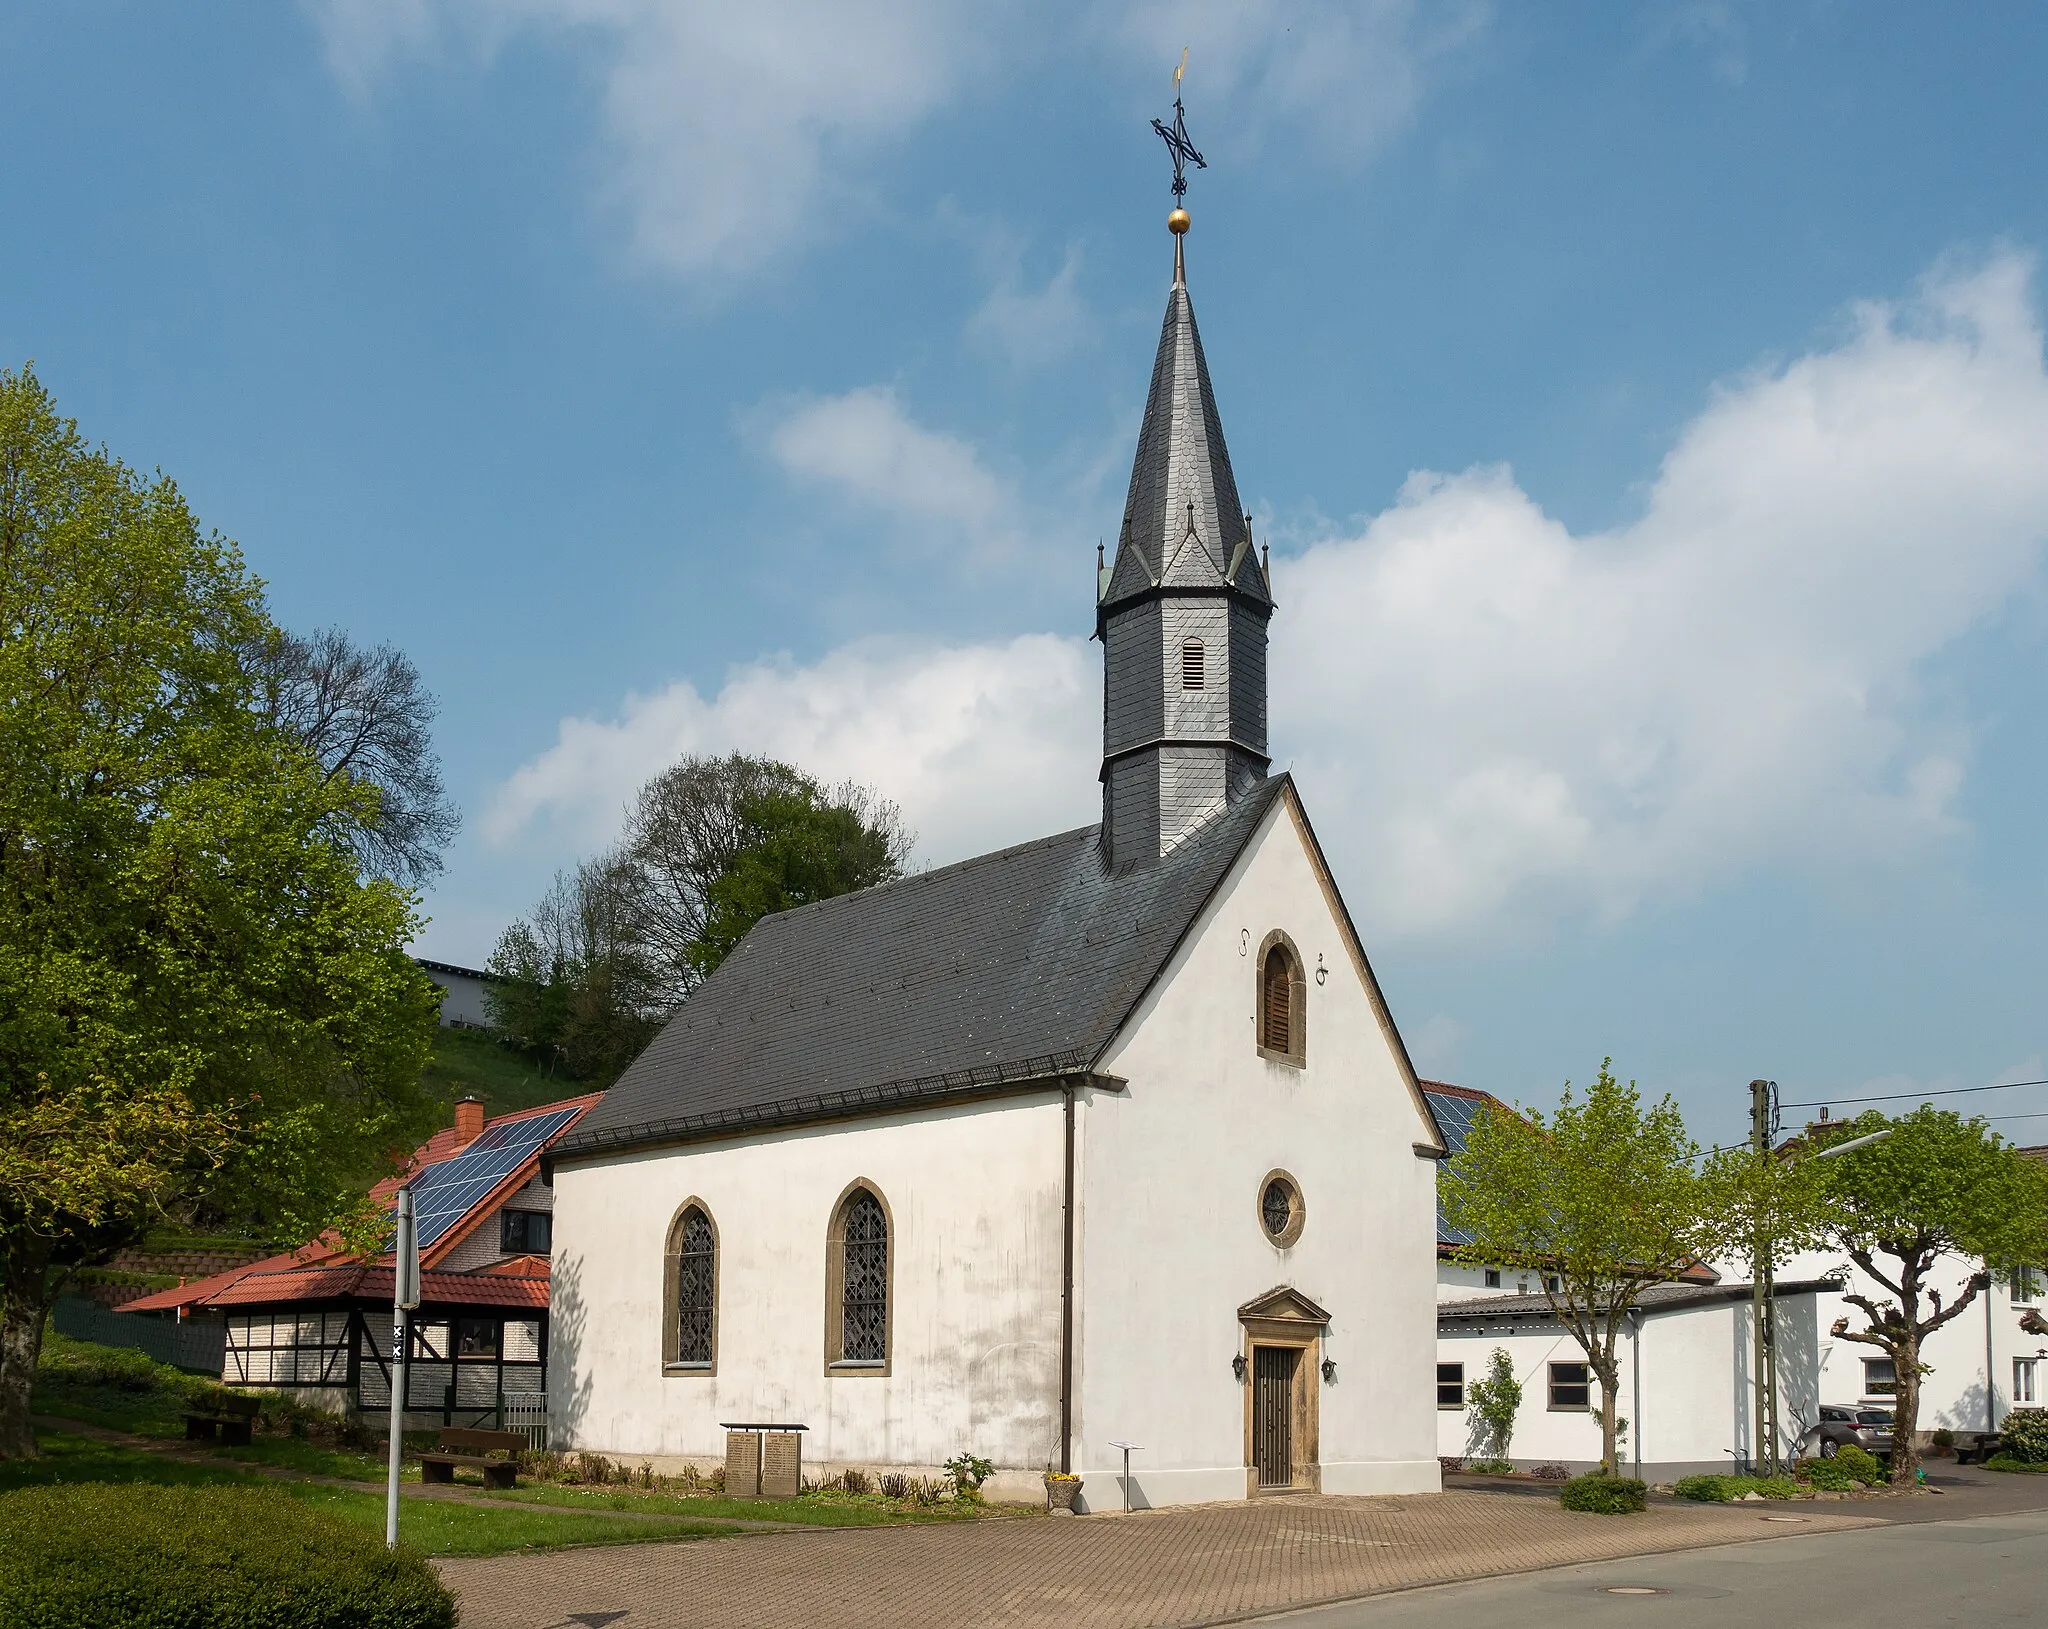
x=1938, y=1186
x=207, y=1014
x=711, y=846
x=1495, y=1398
x=1603, y=1199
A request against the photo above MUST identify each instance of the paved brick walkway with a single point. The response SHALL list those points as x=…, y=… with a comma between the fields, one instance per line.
x=1159, y=1568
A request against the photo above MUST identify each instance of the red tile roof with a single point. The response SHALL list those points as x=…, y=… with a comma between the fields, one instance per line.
x=320, y=1271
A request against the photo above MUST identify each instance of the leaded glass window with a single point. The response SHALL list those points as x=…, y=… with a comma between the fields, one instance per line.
x=864, y=1308
x=696, y=1287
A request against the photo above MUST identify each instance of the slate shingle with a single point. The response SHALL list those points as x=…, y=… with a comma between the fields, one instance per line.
x=1018, y=965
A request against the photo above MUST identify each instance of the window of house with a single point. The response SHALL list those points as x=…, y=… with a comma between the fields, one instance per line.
x=864, y=1281
x=2023, y=1391
x=1571, y=1386
x=696, y=1287
x=476, y=1337
x=1450, y=1385
x=2026, y=1286
x=1522, y=1286
x=1550, y=1283
x=1493, y=1278
x=1191, y=664
x=1283, y=1003
x=1281, y=1212
x=525, y=1232
x=1880, y=1378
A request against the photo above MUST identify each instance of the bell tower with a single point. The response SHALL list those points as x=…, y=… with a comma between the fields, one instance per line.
x=1181, y=612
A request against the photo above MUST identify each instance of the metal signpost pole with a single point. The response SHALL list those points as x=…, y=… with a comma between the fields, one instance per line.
x=405, y=1296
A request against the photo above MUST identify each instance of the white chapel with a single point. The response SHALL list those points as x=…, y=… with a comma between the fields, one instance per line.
x=1105, y=1139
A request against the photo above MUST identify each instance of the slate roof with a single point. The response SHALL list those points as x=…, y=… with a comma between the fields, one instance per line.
x=1182, y=462
x=1654, y=1298
x=1018, y=966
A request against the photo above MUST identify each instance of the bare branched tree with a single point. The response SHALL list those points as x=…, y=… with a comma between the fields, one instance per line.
x=365, y=714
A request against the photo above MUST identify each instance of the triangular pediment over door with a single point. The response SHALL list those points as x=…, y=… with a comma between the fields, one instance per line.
x=1283, y=1304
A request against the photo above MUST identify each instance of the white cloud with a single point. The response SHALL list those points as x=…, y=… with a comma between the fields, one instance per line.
x=1496, y=720
x=1353, y=70
x=723, y=122
x=1033, y=327
x=981, y=744
x=1501, y=715
x=866, y=447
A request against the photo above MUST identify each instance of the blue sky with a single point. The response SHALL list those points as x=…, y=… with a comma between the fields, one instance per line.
x=1644, y=405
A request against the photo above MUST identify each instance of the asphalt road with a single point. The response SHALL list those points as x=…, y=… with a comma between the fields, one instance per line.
x=1986, y=1570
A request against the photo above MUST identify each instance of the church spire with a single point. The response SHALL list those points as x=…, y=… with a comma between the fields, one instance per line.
x=1182, y=612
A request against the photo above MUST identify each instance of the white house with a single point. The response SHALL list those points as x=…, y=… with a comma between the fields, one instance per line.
x=1687, y=1357
x=1107, y=1138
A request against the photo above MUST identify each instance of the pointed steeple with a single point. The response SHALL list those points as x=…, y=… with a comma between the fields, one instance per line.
x=1181, y=613
x=1183, y=525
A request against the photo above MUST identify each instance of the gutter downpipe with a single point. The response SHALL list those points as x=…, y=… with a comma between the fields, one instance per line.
x=1067, y=1288
x=1990, y=1373
x=1635, y=1347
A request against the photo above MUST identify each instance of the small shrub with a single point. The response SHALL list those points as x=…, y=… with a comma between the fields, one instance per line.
x=1604, y=1495
x=1826, y=1476
x=1860, y=1463
x=893, y=1485
x=927, y=1490
x=968, y=1473
x=1944, y=1438
x=856, y=1481
x=1450, y=1464
x=95, y=1554
x=2005, y=1462
x=1713, y=1490
x=1552, y=1473
x=1494, y=1401
x=1490, y=1467
x=2025, y=1436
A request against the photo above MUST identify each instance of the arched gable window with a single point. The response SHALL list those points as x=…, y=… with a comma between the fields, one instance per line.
x=1282, y=1015
x=690, y=1315
x=1192, y=674
x=858, y=1280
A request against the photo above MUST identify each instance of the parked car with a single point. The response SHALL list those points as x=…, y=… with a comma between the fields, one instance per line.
x=1867, y=1428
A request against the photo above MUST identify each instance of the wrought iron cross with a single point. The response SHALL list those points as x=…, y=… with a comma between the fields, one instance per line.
x=1176, y=138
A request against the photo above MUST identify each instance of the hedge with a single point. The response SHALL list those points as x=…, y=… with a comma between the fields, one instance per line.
x=2005, y=1462
x=1603, y=1495
x=2024, y=1436
x=1724, y=1489
x=132, y=1556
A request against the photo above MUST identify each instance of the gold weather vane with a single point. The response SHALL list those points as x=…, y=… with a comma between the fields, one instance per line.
x=1176, y=138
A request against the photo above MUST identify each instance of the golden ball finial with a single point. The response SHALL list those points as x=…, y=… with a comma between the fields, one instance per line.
x=1178, y=222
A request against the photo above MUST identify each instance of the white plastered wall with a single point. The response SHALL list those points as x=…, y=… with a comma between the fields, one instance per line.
x=1695, y=1409
x=974, y=1195
x=1171, y=1241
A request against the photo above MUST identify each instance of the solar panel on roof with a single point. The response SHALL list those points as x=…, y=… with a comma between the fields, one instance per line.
x=1453, y=1117
x=448, y=1190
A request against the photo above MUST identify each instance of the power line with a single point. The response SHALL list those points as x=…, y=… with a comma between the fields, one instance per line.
x=1893, y=1097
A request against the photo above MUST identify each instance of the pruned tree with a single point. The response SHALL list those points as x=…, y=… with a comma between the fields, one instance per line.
x=206, y=1012
x=367, y=716
x=1603, y=1198
x=1938, y=1187
x=719, y=842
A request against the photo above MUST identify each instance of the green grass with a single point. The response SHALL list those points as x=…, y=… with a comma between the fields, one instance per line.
x=435, y=1526
x=812, y=1510
x=467, y=1060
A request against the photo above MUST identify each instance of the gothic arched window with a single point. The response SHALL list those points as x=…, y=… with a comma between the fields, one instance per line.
x=690, y=1319
x=1282, y=1015
x=857, y=1287
x=1192, y=675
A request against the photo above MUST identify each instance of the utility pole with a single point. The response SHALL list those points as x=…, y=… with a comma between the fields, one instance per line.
x=1762, y=1303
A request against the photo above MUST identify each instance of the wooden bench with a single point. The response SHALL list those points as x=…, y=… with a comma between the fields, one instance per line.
x=229, y=1423
x=1977, y=1445
x=484, y=1449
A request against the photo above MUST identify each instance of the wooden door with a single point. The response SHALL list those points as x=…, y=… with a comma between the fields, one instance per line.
x=1273, y=1372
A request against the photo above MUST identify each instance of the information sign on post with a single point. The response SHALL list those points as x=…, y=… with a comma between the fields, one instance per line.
x=405, y=1297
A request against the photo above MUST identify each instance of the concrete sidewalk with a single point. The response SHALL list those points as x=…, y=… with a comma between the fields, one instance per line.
x=1200, y=1565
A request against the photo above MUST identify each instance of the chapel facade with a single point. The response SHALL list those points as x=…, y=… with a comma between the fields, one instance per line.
x=1104, y=1139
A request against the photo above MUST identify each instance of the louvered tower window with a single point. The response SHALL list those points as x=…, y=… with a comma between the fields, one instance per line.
x=696, y=1287
x=1276, y=1001
x=1192, y=676
x=864, y=1314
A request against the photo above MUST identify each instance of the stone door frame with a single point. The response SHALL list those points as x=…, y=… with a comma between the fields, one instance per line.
x=1286, y=1318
